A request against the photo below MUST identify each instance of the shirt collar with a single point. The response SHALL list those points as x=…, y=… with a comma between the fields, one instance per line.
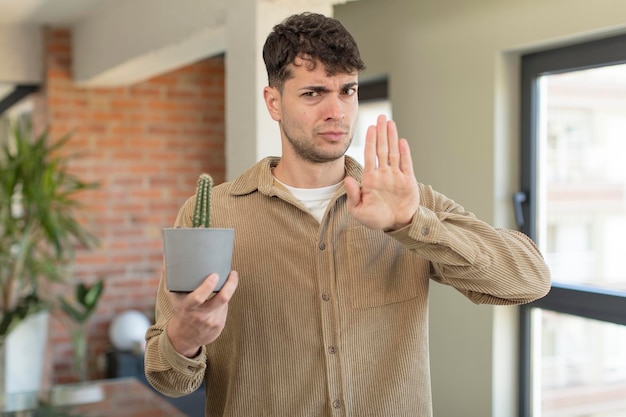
x=259, y=176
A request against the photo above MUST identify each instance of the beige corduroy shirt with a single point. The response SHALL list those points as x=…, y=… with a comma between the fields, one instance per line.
x=331, y=319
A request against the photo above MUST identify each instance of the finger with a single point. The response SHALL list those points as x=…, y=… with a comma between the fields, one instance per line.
x=392, y=140
x=205, y=290
x=382, y=145
x=227, y=291
x=370, y=150
x=406, y=163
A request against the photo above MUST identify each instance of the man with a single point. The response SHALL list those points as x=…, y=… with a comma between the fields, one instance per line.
x=326, y=314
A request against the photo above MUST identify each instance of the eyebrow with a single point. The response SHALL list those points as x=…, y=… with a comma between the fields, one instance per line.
x=322, y=89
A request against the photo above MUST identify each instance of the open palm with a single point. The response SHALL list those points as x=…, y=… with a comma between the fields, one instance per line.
x=389, y=195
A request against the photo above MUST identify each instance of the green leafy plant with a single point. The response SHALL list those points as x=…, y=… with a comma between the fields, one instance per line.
x=86, y=299
x=39, y=228
x=78, y=311
x=202, y=208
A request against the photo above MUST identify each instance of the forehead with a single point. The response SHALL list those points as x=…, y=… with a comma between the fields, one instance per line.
x=303, y=75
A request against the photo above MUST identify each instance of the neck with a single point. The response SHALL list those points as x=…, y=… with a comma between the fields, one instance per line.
x=301, y=174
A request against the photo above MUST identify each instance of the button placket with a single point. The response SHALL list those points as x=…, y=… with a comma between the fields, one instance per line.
x=329, y=316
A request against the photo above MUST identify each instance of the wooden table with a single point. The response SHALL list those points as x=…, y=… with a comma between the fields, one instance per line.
x=120, y=397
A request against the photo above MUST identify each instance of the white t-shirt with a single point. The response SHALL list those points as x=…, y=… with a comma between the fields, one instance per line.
x=314, y=199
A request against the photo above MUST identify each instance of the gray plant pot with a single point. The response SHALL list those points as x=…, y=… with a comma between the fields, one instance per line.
x=192, y=254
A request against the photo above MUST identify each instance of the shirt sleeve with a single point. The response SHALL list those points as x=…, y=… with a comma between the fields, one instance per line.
x=166, y=370
x=488, y=265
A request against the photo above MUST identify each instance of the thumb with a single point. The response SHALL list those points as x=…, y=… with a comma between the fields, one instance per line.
x=353, y=191
x=206, y=288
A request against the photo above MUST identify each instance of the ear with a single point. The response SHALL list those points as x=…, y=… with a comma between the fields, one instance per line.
x=272, y=100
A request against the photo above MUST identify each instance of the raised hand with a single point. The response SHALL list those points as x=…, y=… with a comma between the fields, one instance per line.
x=389, y=195
x=199, y=317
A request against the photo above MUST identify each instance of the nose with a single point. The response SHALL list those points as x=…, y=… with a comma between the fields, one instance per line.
x=335, y=108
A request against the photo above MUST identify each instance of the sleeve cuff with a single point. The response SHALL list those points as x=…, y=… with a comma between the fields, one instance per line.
x=425, y=228
x=180, y=363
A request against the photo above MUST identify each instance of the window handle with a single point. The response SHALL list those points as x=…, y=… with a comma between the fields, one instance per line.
x=519, y=198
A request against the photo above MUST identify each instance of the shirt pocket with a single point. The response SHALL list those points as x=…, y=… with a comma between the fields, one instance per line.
x=375, y=270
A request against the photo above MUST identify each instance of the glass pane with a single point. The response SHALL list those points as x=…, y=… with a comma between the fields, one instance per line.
x=582, y=176
x=368, y=112
x=582, y=366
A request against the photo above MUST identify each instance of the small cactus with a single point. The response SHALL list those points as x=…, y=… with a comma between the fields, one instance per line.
x=202, y=209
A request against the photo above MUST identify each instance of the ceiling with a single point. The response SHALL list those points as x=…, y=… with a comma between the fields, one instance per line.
x=41, y=12
x=154, y=47
x=57, y=12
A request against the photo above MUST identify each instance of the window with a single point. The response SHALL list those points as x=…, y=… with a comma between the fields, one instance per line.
x=373, y=101
x=573, y=353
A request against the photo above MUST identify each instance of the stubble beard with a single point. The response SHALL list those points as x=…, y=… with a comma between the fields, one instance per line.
x=306, y=149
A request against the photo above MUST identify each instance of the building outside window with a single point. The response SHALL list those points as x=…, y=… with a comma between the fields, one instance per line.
x=574, y=174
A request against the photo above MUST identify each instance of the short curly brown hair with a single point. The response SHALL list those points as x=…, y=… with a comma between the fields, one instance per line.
x=312, y=37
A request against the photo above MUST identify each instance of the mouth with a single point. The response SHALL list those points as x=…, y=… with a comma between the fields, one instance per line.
x=333, y=135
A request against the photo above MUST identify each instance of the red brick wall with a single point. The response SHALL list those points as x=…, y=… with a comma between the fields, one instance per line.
x=146, y=145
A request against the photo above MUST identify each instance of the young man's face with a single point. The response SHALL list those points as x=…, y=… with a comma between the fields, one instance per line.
x=316, y=112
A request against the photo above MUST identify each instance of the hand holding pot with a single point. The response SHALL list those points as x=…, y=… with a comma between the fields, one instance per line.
x=199, y=316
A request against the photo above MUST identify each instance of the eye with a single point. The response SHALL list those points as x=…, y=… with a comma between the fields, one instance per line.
x=310, y=94
x=349, y=91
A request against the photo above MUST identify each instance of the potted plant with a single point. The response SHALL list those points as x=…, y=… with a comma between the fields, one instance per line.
x=39, y=228
x=77, y=311
x=191, y=254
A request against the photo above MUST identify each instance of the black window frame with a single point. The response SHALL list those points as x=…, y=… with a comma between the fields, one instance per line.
x=578, y=300
x=18, y=93
x=374, y=90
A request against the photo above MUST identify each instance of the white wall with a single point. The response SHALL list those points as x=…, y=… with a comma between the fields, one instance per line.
x=453, y=72
x=20, y=54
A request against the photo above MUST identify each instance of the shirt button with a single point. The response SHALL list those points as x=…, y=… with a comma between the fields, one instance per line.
x=322, y=246
x=325, y=297
x=425, y=231
x=336, y=404
x=332, y=350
